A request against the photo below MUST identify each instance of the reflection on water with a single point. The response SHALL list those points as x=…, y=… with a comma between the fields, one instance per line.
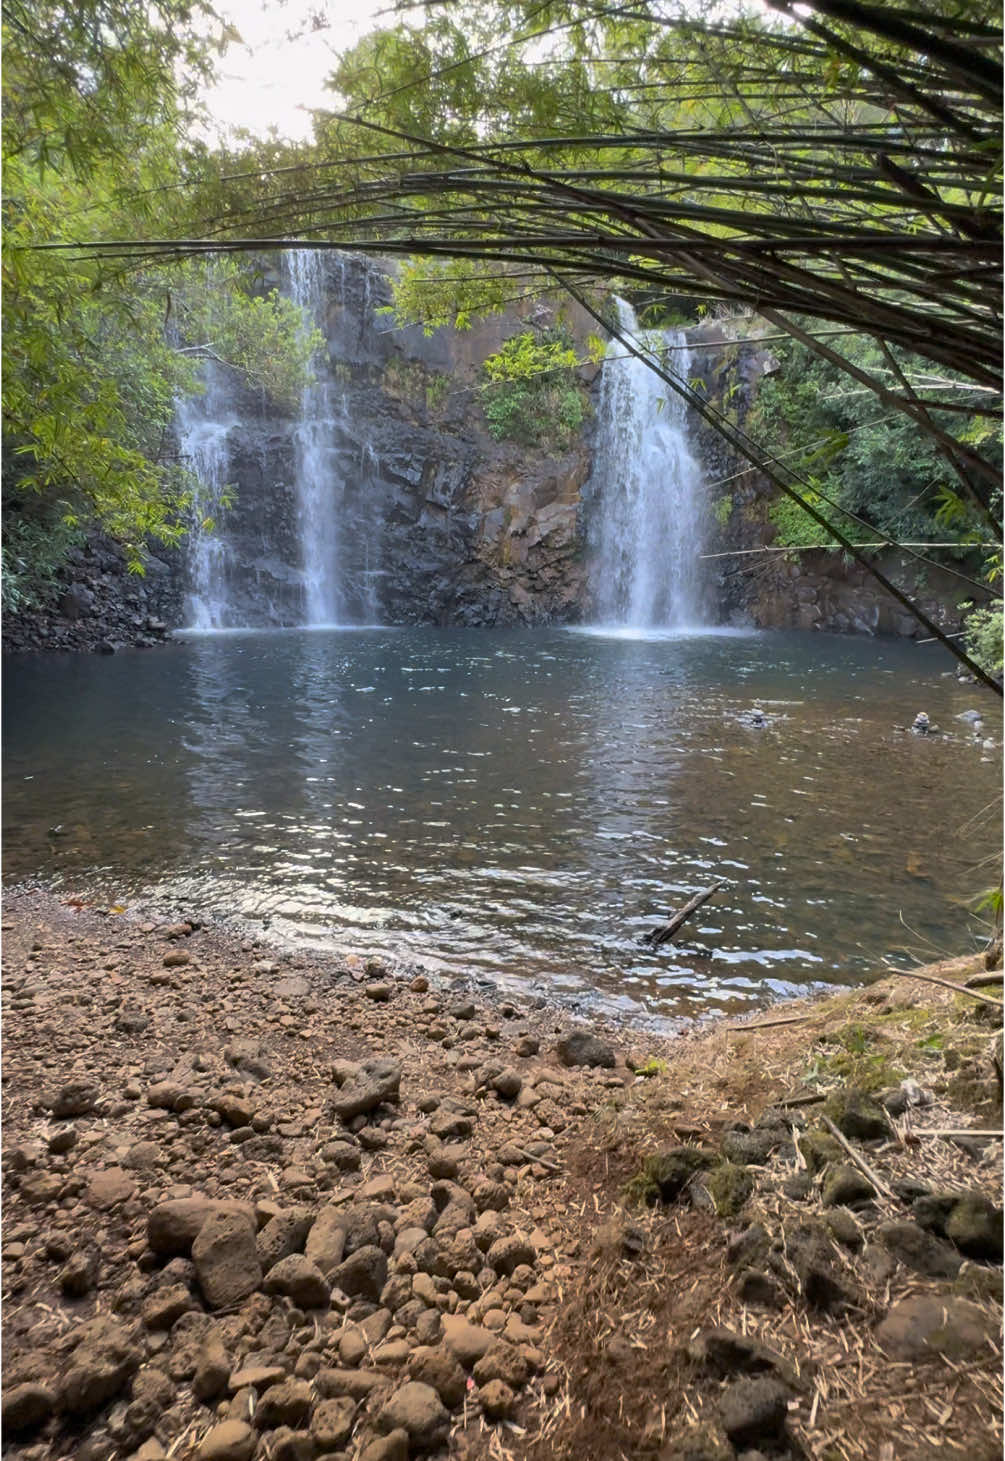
x=518, y=806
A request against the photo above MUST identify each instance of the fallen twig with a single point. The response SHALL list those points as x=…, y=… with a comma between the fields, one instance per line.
x=976, y=980
x=859, y=1160
x=948, y=984
x=984, y=1132
x=769, y=1024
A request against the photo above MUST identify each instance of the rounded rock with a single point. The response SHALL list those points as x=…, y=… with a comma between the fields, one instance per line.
x=231, y=1440
x=416, y=1409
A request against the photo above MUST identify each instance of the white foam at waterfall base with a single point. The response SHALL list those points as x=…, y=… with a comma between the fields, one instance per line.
x=318, y=483
x=204, y=425
x=649, y=526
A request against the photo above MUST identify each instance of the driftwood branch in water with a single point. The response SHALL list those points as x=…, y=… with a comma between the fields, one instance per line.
x=657, y=936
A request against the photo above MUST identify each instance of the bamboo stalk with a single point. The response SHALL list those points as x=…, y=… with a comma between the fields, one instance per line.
x=859, y=1160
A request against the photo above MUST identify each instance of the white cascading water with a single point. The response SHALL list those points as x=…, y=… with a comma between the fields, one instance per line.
x=318, y=483
x=648, y=485
x=204, y=426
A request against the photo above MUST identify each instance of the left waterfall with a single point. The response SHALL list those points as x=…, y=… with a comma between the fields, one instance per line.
x=205, y=424
x=283, y=524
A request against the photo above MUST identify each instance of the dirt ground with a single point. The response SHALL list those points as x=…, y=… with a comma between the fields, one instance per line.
x=667, y=1253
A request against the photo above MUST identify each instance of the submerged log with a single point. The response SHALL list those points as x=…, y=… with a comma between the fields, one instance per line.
x=667, y=931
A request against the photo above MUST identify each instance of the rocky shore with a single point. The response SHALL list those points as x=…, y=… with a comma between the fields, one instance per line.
x=272, y=1205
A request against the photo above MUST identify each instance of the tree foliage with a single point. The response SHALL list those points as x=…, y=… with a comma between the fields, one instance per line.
x=531, y=395
x=870, y=463
x=98, y=104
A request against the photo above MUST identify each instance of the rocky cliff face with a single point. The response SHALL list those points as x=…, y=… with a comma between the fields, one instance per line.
x=436, y=522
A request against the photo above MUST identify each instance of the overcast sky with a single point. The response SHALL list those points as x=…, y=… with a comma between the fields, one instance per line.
x=277, y=75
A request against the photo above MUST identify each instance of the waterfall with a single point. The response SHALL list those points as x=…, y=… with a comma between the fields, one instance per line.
x=204, y=426
x=648, y=530
x=319, y=487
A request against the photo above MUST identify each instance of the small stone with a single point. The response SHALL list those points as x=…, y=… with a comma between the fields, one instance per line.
x=212, y=1371
x=392, y=1447
x=103, y=1361
x=231, y=1440
x=38, y=1189
x=165, y=1306
x=508, y=1083
x=702, y=1442
x=255, y=1377
x=925, y=1326
x=379, y=992
x=416, y=1409
x=287, y=1403
x=63, y=1141
x=285, y=1233
x=505, y=1254
x=447, y=1125
x=177, y=959
x=376, y=1083
x=726, y=1188
x=857, y=1115
x=234, y=1110
x=26, y=1407
x=172, y=1227
x=76, y=1098
x=109, y=1187
x=467, y=1341
x=726, y=1353
x=439, y=1368
x=362, y=1275
x=332, y=1423
x=810, y=1254
x=226, y=1260
x=759, y=1290
x=751, y=1148
x=286, y=1444
x=80, y=1274
x=918, y=1250
x=819, y=1148
x=844, y=1229
x=582, y=1048
x=341, y=1154
x=752, y=1410
x=665, y=1176
x=300, y=1280
x=497, y=1399
x=845, y=1186
x=974, y=1224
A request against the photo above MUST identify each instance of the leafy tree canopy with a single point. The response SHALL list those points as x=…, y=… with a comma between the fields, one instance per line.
x=99, y=106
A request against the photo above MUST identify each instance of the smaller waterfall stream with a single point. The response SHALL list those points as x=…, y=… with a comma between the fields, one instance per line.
x=318, y=484
x=204, y=426
x=649, y=528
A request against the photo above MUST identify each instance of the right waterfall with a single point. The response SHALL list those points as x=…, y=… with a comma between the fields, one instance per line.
x=648, y=524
